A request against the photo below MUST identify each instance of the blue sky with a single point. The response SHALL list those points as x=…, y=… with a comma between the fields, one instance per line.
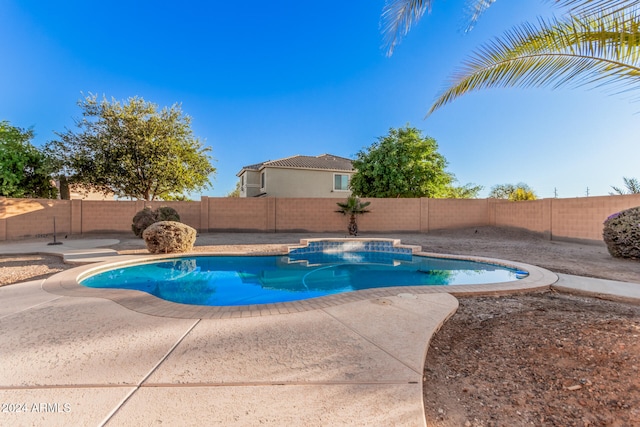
x=266, y=80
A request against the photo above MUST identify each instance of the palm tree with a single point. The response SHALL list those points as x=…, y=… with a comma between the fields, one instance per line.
x=353, y=207
x=632, y=184
x=596, y=43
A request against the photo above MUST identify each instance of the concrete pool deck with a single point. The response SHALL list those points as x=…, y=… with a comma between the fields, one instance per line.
x=88, y=360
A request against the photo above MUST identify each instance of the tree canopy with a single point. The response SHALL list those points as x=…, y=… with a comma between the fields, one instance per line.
x=236, y=191
x=24, y=170
x=514, y=193
x=403, y=164
x=596, y=43
x=133, y=150
x=467, y=191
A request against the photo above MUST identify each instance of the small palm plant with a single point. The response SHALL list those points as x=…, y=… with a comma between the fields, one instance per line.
x=353, y=207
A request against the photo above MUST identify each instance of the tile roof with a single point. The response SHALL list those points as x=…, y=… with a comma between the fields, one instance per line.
x=324, y=161
x=256, y=167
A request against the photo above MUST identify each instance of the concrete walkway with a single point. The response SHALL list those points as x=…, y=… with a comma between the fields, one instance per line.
x=81, y=251
x=599, y=288
x=90, y=361
x=82, y=360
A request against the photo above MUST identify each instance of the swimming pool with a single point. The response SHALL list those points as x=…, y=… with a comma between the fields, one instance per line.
x=302, y=274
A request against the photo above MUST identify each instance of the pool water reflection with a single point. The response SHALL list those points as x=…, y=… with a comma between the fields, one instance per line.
x=247, y=280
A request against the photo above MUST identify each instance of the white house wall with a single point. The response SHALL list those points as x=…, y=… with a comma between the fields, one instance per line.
x=301, y=183
x=251, y=187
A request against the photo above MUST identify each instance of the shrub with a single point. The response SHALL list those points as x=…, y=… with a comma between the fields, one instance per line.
x=165, y=213
x=142, y=220
x=166, y=237
x=147, y=216
x=622, y=234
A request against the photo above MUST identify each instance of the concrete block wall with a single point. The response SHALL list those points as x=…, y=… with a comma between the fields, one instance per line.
x=76, y=217
x=22, y=218
x=108, y=216
x=319, y=215
x=309, y=214
x=457, y=213
x=534, y=215
x=579, y=218
x=189, y=211
x=239, y=214
x=390, y=215
x=582, y=218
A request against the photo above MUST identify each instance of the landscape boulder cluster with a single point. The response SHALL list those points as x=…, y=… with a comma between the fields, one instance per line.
x=622, y=233
x=166, y=237
x=162, y=231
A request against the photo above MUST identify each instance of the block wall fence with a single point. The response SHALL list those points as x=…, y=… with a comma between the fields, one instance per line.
x=560, y=219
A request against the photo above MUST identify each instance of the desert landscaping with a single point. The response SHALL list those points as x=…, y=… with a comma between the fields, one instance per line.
x=530, y=359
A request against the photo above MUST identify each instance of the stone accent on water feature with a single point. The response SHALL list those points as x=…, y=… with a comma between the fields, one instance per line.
x=313, y=246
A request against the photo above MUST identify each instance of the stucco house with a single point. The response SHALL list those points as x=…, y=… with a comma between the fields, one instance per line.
x=297, y=176
x=77, y=192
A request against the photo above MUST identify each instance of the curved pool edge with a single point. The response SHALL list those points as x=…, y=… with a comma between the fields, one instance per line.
x=66, y=283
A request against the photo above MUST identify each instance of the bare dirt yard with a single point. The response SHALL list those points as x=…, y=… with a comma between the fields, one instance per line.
x=543, y=359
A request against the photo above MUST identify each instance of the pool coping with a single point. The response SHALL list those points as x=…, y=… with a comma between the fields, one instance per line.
x=66, y=283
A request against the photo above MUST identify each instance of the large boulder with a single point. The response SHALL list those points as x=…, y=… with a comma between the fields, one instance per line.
x=166, y=237
x=621, y=233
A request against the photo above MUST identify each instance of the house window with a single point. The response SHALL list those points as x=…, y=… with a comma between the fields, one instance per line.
x=340, y=182
x=262, y=180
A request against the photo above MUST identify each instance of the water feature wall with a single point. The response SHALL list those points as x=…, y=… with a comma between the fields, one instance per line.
x=352, y=245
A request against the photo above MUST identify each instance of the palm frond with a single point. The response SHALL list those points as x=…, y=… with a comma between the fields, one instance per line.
x=398, y=16
x=596, y=50
x=475, y=8
x=597, y=7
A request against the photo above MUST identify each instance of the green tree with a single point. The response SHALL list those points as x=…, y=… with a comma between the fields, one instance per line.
x=595, y=43
x=235, y=192
x=515, y=193
x=25, y=171
x=401, y=164
x=133, y=150
x=467, y=191
x=406, y=164
x=632, y=187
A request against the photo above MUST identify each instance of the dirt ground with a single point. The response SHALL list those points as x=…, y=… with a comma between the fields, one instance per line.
x=543, y=359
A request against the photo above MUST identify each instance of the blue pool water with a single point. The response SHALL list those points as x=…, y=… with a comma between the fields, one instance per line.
x=245, y=280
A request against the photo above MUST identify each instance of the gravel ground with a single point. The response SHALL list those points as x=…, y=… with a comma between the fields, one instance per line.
x=20, y=268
